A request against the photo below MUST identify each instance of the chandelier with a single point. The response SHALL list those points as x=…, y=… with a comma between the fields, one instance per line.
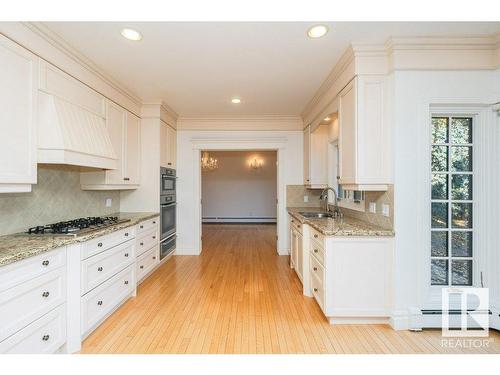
x=207, y=162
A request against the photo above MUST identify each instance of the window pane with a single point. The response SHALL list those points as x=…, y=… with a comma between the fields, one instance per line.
x=439, y=272
x=461, y=158
x=439, y=130
x=439, y=215
x=461, y=272
x=461, y=215
x=461, y=130
x=439, y=158
x=439, y=244
x=461, y=244
x=439, y=186
x=461, y=186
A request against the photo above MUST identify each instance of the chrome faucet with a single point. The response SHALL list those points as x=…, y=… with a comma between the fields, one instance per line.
x=324, y=197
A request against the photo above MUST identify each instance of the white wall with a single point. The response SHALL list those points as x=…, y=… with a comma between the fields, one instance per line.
x=237, y=192
x=189, y=145
x=413, y=94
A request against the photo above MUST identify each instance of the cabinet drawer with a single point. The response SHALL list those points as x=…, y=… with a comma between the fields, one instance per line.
x=294, y=223
x=23, y=304
x=317, y=269
x=318, y=252
x=16, y=273
x=317, y=236
x=100, y=244
x=147, y=261
x=146, y=225
x=101, y=301
x=318, y=291
x=44, y=336
x=145, y=241
x=102, y=266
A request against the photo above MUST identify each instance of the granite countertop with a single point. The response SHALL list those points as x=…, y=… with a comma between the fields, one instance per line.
x=19, y=246
x=346, y=226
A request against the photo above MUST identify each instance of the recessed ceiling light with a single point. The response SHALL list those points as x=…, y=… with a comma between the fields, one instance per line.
x=131, y=34
x=317, y=31
x=236, y=101
x=327, y=119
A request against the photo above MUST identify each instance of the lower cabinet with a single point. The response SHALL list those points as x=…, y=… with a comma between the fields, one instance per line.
x=350, y=277
x=299, y=253
x=147, y=262
x=100, y=302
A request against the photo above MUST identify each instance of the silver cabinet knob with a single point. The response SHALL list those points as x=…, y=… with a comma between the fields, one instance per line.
x=99, y=244
x=142, y=244
x=154, y=257
x=126, y=282
x=126, y=255
x=315, y=269
x=141, y=267
x=126, y=234
x=154, y=222
x=45, y=337
x=99, y=303
x=126, y=178
x=315, y=289
x=315, y=250
x=154, y=237
x=99, y=269
x=315, y=236
x=142, y=226
x=45, y=263
x=45, y=294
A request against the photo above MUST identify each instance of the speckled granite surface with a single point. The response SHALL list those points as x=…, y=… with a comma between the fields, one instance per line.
x=335, y=227
x=19, y=246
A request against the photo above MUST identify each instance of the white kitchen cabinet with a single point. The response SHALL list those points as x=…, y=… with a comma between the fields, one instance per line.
x=18, y=116
x=124, y=130
x=316, y=156
x=168, y=146
x=364, y=135
x=351, y=277
x=299, y=252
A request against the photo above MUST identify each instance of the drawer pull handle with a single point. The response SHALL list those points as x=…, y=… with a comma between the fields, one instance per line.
x=154, y=222
x=99, y=244
x=315, y=269
x=142, y=244
x=315, y=289
x=315, y=236
x=45, y=263
x=142, y=226
x=154, y=237
x=141, y=267
x=126, y=178
x=315, y=250
x=126, y=282
x=45, y=337
x=99, y=303
x=99, y=269
x=126, y=234
x=126, y=255
x=154, y=257
x=45, y=294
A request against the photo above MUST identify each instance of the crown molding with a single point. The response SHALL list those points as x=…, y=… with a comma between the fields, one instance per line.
x=160, y=110
x=285, y=123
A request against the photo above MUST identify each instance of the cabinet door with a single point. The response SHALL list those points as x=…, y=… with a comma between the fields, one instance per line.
x=132, y=150
x=307, y=140
x=172, y=147
x=318, y=155
x=115, y=122
x=300, y=256
x=18, y=116
x=293, y=248
x=347, y=136
x=164, y=146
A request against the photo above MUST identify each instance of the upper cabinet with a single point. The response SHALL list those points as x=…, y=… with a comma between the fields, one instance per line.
x=123, y=128
x=18, y=116
x=364, y=136
x=315, y=156
x=168, y=145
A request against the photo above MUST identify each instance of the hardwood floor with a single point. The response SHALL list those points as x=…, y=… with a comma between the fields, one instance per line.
x=239, y=296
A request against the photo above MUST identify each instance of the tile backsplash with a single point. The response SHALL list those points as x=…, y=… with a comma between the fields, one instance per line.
x=57, y=196
x=295, y=196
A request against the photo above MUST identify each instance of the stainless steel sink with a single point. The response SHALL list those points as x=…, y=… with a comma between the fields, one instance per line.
x=315, y=215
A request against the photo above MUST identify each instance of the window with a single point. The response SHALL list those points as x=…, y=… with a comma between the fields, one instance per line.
x=451, y=201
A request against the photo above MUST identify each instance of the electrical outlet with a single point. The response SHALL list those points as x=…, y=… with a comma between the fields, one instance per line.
x=385, y=210
x=373, y=207
x=109, y=202
x=306, y=198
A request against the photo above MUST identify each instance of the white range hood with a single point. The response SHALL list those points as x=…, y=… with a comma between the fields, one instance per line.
x=70, y=134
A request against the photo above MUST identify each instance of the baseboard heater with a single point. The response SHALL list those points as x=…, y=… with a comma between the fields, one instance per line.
x=450, y=312
x=236, y=219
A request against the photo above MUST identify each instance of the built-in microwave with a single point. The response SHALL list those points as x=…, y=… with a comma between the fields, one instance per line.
x=167, y=181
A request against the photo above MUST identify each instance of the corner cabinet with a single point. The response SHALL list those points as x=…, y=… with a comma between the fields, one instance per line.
x=168, y=146
x=364, y=138
x=18, y=115
x=125, y=133
x=316, y=157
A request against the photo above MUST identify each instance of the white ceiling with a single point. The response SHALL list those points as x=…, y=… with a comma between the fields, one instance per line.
x=196, y=68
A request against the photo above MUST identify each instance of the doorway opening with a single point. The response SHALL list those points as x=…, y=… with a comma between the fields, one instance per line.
x=239, y=190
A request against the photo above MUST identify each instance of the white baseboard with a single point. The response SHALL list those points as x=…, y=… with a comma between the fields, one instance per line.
x=248, y=220
x=400, y=321
x=358, y=320
x=190, y=251
x=283, y=251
